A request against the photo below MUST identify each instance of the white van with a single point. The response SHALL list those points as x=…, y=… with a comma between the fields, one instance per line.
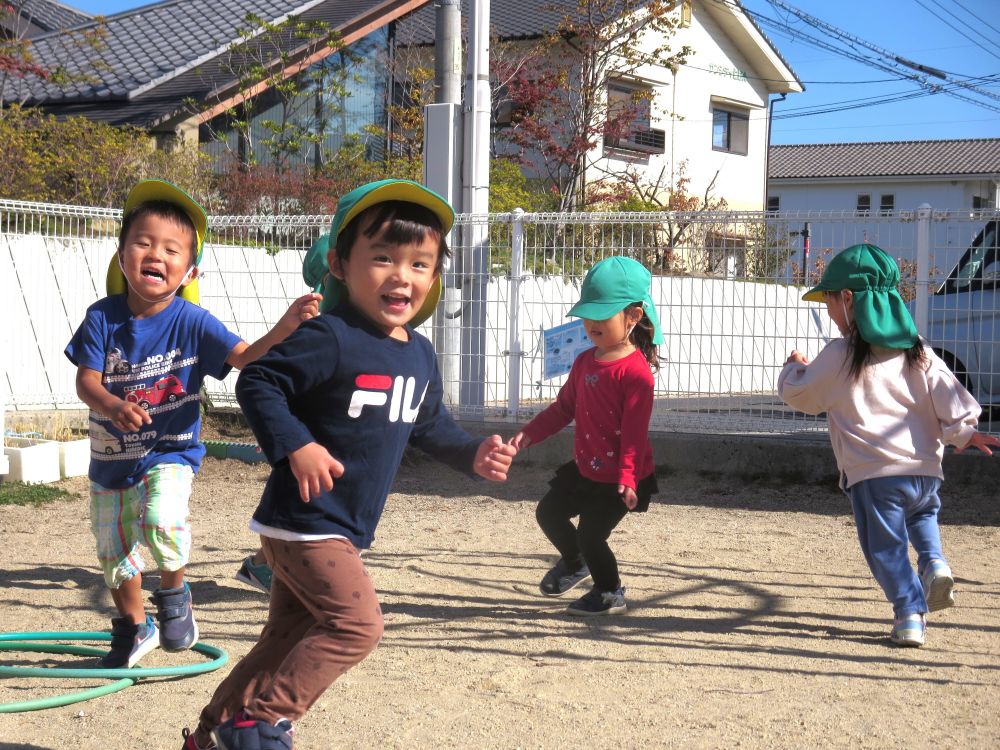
x=963, y=324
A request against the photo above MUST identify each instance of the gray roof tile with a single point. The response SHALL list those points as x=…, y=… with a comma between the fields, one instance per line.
x=48, y=15
x=885, y=159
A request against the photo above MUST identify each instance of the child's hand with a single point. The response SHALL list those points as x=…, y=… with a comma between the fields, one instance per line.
x=796, y=357
x=493, y=458
x=129, y=417
x=304, y=308
x=982, y=441
x=628, y=496
x=519, y=442
x=315, y=469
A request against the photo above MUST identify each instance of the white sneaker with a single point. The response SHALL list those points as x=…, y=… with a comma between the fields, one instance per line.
x=938, y=585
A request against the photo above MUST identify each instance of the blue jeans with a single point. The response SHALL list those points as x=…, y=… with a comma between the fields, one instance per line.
x=890, y=513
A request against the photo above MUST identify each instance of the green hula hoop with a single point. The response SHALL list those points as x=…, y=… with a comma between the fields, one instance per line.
x=123, y=677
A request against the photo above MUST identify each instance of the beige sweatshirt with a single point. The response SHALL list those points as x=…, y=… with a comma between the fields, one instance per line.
x=893, y=421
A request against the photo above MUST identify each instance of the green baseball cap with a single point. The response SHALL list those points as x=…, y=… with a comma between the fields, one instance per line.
x=879, y=311
x=315, y=269
x=612, y=285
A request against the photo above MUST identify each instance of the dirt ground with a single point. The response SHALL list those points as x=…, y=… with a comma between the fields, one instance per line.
x=752, y=623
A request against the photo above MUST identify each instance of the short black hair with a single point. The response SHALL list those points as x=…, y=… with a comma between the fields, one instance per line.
x=164, y=210
x=405, y=223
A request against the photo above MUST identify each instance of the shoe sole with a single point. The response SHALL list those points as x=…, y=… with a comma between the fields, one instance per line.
x=564, y=591
x=907, y=642
x=609, y=611
x=251, y=581
x=940, y=594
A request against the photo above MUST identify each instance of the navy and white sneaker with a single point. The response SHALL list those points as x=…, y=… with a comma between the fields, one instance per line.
x=178, y=630
x=243, y=732
x=599, y=602
x=939, y=585
x=562, y=578
x=130, y=642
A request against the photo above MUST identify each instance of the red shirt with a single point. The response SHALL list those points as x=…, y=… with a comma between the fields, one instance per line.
x=611, y=403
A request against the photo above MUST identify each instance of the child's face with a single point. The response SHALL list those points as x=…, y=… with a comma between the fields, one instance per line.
x=388, y=282
x=607, y=334
x=156, y=257
x=840, y=308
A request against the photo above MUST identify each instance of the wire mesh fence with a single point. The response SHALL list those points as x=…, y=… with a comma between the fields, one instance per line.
x=727, y=287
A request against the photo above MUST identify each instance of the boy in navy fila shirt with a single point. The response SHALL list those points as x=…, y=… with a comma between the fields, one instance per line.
x=333, y=408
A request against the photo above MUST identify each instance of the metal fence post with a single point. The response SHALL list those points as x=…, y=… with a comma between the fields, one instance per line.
x=921, y=308
x=514, y=318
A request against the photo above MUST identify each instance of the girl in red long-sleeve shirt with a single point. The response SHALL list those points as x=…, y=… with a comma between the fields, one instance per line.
x=609, y=394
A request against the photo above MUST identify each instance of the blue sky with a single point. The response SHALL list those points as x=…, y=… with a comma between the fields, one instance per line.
x=958, y=37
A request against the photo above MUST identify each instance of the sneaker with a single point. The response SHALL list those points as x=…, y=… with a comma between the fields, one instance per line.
x=908, y=631
x=258, y=576
x=190, y=744
x=242, y=732
x=561, y=579
x=178, y=630
x=939, y=585
x=130, y=642
x=599, y=602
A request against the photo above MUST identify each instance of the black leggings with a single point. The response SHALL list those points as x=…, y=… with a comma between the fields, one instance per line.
x=600, y=509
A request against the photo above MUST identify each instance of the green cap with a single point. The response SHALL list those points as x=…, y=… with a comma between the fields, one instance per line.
x=611, y=286
x=879, y=311
x=316, y=271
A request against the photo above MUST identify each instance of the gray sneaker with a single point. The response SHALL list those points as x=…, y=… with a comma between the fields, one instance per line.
x=939, y=585
x=599, y=602
x=561, y=579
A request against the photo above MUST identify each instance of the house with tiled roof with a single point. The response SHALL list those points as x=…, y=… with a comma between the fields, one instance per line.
x=26, y=19
x=882, y=177
x=164, y=67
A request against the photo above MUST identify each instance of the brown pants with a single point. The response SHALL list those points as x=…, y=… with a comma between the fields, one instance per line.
x=324, y=618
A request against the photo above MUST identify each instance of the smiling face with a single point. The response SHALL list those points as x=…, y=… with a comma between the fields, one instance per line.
x=386, y=281
x=157, y=258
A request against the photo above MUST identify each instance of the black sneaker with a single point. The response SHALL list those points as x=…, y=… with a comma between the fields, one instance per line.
x=178, y=630
x=561, y=579
x=129, y=642
x=258, y=576
x=599, y=602
x=243, y=732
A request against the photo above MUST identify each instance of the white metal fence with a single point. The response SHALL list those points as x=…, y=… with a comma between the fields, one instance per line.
x=727, y=288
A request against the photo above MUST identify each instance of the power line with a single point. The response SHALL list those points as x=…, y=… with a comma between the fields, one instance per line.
x=883, y=59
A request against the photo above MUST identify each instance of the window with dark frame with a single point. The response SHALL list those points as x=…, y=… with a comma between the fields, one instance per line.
x=864, y=204
x=730, y=131
x=641, y=136
x=773, y=204
x=886, y=204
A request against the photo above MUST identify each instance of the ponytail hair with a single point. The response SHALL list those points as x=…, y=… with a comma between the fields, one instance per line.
x=642, y=338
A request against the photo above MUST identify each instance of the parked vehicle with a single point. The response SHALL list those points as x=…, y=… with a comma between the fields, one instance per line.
x=167, y=389
x=963, y=323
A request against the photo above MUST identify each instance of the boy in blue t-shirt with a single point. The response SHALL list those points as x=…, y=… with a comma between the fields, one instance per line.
x=141, y=356
x=333, y=408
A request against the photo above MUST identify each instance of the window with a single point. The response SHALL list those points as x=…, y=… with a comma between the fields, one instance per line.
x=638, y=134
x=980, y=203
x=864, y=205
x=773, y=204
x=730, y=131
x=886, y=204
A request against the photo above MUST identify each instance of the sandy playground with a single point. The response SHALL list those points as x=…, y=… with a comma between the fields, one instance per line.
x=753, y=623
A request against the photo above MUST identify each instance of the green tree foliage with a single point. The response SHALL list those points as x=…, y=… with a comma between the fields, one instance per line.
x=78, y=161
